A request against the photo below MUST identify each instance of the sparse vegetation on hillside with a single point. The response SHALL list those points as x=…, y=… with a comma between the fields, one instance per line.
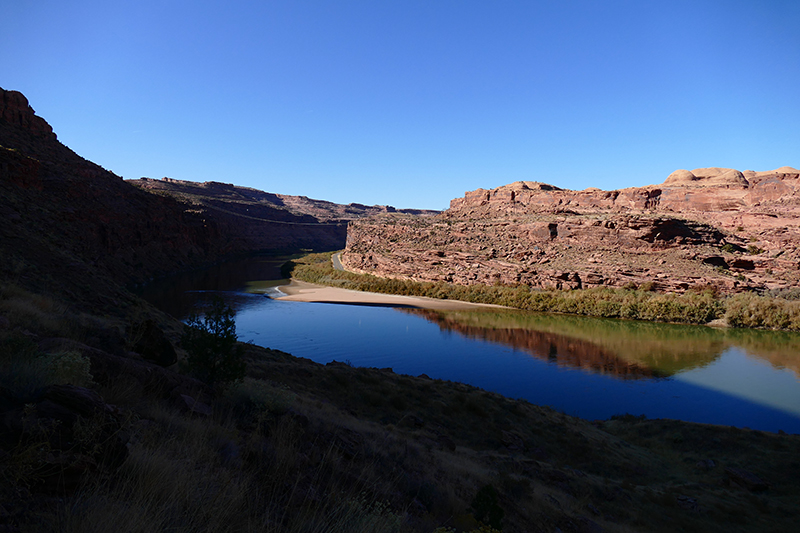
x=636, y=303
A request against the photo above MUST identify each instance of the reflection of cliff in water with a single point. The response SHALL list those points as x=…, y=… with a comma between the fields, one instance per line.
x=552, y=347
x=665, y=349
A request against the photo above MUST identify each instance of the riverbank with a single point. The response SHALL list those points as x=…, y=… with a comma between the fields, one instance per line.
x=302, y=291
x=701, y=306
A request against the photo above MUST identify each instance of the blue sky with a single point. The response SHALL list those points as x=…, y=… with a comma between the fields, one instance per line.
x=411, y=103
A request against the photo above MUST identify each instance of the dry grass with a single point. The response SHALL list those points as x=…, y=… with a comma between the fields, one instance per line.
x=190, y=474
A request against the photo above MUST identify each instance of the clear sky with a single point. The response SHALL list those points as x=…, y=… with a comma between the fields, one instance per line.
x=411, y=103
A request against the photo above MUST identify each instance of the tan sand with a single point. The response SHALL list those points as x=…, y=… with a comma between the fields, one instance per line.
x=301, y=291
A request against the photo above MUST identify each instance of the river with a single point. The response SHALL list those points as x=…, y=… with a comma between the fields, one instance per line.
x=592, y=368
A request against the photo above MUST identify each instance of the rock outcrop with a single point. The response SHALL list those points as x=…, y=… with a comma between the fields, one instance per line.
x=706, y=227
x=16, y=111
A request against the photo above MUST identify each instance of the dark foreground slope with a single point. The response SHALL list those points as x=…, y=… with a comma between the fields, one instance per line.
x=95, y=436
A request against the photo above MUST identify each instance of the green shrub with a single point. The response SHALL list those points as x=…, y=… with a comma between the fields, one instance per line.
x=214, y=356
x=754, y=250
x=752, y=311
x=70, y=368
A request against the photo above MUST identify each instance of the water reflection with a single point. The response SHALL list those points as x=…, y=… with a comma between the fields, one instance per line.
x=626, y=349
x=562, y=350
x=181, y=294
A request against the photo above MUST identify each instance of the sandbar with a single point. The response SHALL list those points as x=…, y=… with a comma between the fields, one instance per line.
x=301, y=291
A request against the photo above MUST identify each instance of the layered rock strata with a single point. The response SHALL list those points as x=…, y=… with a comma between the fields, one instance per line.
x=707, y=227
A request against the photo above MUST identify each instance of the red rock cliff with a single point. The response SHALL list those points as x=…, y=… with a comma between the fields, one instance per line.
x=711, y=226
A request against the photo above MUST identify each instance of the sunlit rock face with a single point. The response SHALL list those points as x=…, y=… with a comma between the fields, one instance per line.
x=706, y=227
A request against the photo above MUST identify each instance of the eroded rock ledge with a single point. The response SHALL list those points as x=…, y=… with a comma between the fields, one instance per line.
x=706, y=227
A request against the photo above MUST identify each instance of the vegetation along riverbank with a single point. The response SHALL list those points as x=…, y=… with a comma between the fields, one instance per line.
x=779, y=310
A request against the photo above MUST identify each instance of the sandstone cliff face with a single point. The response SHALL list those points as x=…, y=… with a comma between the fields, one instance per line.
x=714, y=226
x=16, y=111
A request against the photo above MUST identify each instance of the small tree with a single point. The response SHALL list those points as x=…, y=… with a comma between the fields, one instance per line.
x=213, y=353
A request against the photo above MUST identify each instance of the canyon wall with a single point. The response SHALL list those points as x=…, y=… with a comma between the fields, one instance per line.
x=708, y=227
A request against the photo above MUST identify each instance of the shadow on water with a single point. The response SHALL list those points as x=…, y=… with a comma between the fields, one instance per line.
x=180, y=294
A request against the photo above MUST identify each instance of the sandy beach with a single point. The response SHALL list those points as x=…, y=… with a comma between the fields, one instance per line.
x=301, y=291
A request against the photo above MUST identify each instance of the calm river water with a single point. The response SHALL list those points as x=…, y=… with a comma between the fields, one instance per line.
x=592, y=368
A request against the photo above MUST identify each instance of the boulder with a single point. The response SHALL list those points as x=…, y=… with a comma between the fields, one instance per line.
x=745, y=479
x=193, y=406
x=512, y=441
x=152, y=344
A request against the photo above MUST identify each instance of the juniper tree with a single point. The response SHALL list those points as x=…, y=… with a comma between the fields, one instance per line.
x=214, y=356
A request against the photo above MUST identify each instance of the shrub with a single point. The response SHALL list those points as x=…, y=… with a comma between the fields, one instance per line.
x=214, y=356
x=486, y=509
x=255, y=394
x=751, y=311
x=25, y=370
x=754, y=250
x=70, y=368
